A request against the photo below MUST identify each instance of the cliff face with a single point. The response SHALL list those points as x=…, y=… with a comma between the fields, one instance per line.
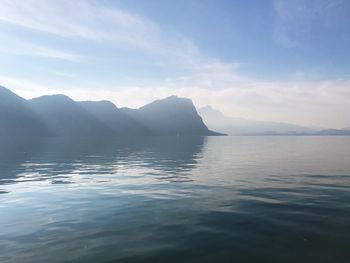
x=170, y=116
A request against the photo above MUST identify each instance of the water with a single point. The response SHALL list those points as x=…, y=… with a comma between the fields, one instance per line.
x=210, y=199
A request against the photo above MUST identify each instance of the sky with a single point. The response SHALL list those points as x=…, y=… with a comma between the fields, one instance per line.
x=273, y=60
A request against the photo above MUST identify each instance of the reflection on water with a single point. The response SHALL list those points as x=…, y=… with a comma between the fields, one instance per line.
x=176, y=199
x=89, y=161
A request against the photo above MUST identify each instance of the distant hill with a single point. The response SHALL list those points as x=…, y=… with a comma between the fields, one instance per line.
x=170, y=116
x=238, y=126
x=59, y=115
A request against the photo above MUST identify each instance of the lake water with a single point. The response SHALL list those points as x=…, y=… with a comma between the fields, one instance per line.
x=176, y=199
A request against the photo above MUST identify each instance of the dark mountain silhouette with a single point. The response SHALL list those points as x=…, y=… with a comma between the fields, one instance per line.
x=114, y=118
x=170, y=116
x=238, y=126
x=59, y=115
x=17, y=118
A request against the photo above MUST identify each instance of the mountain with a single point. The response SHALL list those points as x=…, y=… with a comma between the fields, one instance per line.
x=238, y=126
x=59, y=115
x=170, y=116
x=120, y=122
x=17, y=118
x=332, y=132
x=65, y=117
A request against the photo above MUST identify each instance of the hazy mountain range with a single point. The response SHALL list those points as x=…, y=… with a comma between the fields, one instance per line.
x=217, y=121
x=59, y=115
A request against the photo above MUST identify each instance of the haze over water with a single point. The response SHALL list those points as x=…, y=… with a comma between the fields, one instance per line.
x=176, y=199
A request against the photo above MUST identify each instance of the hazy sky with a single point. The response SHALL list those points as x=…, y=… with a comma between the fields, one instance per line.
x=268, y=60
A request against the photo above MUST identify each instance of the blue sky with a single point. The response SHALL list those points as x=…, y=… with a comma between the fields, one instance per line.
x=268, y=60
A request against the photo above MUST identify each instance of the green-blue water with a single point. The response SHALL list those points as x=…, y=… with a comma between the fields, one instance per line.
x=210, y=199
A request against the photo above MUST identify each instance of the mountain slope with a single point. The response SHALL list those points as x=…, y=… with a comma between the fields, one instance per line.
x=17, y=118
x=111, y=116
x=170, y=116
x=237, y=126
x=65, y=117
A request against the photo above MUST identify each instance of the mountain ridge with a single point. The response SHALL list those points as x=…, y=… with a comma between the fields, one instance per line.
x=239, y=126
x=59, y=115
x=16, y=116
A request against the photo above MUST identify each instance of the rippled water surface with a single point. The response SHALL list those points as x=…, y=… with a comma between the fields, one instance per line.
x=210, y=199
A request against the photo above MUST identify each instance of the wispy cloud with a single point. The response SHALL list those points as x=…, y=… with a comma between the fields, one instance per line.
x=57, y=54
x=210, y=74
x=79, y=19
x=91, y=21
x=41, y=51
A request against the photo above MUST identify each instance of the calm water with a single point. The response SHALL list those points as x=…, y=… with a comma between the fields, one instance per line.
x=211, y=199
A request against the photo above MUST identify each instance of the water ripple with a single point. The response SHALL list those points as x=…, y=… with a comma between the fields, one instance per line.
x=226, y=199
